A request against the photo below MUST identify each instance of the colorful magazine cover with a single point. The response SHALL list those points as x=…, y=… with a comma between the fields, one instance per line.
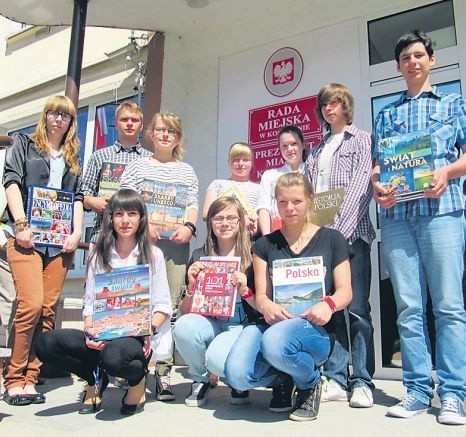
x=166, y=205
x=50, y=215
x=215, y=294
x=122, y=306
x=234, y=191
x=326, y=206
x=298, y=283
x=406, y=164
x=110, y=177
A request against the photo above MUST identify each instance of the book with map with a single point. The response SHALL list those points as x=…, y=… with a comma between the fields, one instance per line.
x=110, y=177
x=166, y=205
x=406, y=165
x=122, y=305
x=214, y=293
x=326, y=206
x=298, y=283
x=50, y=215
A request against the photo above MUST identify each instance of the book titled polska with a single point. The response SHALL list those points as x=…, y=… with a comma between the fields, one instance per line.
x=326, y=205
x=214, y=293
x=406, y=164
x=50, y=215
x=110, y=178
x=166, y=205
x=122, y=306
x=298, y=283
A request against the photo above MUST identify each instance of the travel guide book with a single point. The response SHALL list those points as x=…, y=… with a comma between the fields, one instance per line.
x=122, y=306
x=110, y=176
x=214, y=293
x=406, y=165
x=166, y=205
x=326, y=205
x=298, y=283
x=50, y=215
x=234, y=191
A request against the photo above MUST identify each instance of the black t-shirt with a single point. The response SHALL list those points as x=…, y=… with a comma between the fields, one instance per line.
x=327, y=243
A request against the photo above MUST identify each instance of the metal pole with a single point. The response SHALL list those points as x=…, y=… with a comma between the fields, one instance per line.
x=75, y=56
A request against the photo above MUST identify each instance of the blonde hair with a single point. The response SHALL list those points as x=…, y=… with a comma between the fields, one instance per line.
x=129, y=106
x=296, y=179
x=171, y=121
x=69, y=141
x=240, y=149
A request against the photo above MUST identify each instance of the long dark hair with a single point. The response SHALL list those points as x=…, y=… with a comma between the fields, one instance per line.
x=123, y=200
x=243, y=244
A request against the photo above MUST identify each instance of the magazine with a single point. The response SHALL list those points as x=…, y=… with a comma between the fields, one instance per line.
x=166, y=205
x=122, y=306
x=50, y=215
x=298, y=283
x=234, y=191
x=214, y=293
x=406, y=165
x=326, y=205
x=110, y=176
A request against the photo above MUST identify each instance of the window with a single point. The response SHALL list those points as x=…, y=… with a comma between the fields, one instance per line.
x=436, y=19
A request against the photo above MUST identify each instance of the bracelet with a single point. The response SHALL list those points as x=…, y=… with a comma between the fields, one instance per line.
x=248, y=294
x=192, y=227
x=331, y=303
x=187, y=294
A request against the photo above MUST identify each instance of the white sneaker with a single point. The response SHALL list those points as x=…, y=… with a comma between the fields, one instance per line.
x=332, y=391
x=361, y=397
x=452, y=412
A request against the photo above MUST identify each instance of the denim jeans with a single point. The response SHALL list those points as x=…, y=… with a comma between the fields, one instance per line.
x=261, y=355
x=426, y=253
x=361, y=329
x=204, y=343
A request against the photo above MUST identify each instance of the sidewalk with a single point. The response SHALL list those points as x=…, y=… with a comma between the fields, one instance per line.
x=59, y=417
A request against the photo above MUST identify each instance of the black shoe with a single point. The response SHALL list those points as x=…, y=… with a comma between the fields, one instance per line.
x=95, y=407
x=37, y=398
x=239, y=397
x=129, y=410
x=197, y=396
x=163, y=389
x=17, y=400
x=282, y=396
x=307, y=403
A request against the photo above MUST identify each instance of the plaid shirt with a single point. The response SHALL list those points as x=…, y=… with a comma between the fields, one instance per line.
x=350, y=168
x=115, y=154
x=443, y=116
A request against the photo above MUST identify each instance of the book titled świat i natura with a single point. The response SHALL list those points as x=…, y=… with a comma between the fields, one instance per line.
x=298, y=283
x=122, y=305
x=166, y=205
x=406, y=165
x=50, y=215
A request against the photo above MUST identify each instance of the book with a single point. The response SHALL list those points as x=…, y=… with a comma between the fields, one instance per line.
x=234, y=191
x=326, y=205
x=122, y=306
x=166, y=205
x=298, y=283
x=110, y=177
x=214, y=293
x=50, y=215
x=406, y=164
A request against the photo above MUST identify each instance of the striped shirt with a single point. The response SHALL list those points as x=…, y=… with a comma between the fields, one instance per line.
x=443, y=116
x=177, y=172
x=350, y=168
x=116, y=154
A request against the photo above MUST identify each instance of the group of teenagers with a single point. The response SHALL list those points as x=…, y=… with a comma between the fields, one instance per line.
x=305, y=359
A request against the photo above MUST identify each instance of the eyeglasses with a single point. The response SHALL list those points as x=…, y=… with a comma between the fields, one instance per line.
x=170, y=132
x=231, y=219
x=64, y=116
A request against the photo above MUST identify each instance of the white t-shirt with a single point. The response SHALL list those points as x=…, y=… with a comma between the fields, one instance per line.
x=325, y=158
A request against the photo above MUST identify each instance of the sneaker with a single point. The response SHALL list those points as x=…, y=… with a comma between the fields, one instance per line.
x=196, y=397
x=121, y=383
x=452, y=412
x=307, y=403
x=332, y=391
x=163, y=389
x=239, y=397
x=409, y=406
x=282, y=396
x=361, y=397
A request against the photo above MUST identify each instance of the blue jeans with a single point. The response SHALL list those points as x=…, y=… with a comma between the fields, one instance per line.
x=361, y=329
x=204, y=343
x=261, y=355
x=426, y=253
